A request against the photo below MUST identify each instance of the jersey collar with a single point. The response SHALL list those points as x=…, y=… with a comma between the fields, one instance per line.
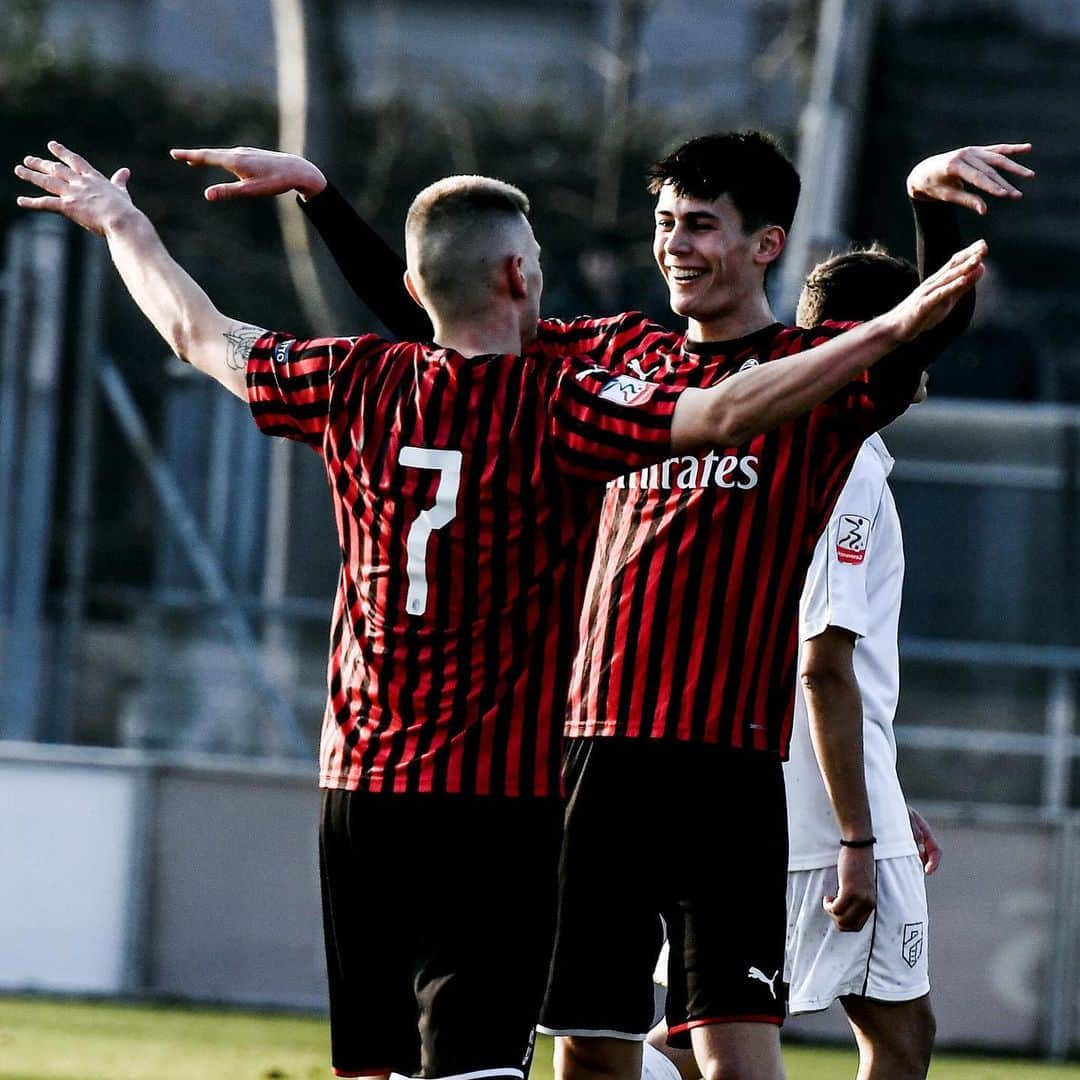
x=723, y=354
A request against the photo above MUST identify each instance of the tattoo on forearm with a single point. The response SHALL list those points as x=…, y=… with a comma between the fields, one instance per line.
x=239, y=342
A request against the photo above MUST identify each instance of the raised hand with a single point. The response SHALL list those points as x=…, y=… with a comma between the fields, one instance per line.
x=258, y=172
x=957, y=175
x=936, y=296
x=169, y=297
x=76, y=189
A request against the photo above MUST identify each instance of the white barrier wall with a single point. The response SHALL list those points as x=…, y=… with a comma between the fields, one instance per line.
x=66, y=854
x=234, y=899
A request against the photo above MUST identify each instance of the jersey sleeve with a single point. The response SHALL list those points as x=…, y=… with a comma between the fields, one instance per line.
x=603, y=425
x=937, y=238
x=289, y=383
x=835, y=592
x=892, y=382
x=372, y=268
x=874, y=399
x=608, y=342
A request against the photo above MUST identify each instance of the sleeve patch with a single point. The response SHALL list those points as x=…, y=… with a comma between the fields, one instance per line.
x=852, y=538
x=626, y=390
x=282, y=350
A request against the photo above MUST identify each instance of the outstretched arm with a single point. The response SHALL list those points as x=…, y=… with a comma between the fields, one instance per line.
x=750, y=402
x=943, y=182
x=178, y=308
x=372, y=268
x=936, y=186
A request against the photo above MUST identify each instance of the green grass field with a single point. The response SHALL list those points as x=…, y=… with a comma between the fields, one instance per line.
x=46, y=1039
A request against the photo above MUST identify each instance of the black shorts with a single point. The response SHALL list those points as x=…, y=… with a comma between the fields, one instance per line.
x=695, y=835
x=438, y=914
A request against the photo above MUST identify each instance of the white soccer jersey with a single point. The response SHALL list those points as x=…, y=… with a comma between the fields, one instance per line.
x=854, y=581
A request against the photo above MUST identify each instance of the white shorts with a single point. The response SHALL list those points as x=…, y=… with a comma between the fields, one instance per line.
x=885, y=961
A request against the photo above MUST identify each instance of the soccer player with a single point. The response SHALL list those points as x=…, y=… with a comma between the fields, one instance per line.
x=685, y=674
x=849, y=667
x=841, y=777
x=466, y=479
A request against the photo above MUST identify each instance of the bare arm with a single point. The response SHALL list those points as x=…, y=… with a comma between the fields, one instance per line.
x=167, y=295
x=834, y=708
x=750, y=402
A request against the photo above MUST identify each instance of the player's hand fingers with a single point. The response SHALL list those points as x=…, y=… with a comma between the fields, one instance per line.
x=967, y=171
x=43, y=165
x=958, y=196
x=959, y=264
x=932, y=860
x=236, y=189
x=49, y=182
x=1008, y=148
x=988, y=179
x=40, y=202
x=929, y=848
x=120, y=178
x=73, y=161
x=217, y=157
x=958, y=280
x=949, y=290
x=972, y=253
x=1002, y=161
x=48, y=167
x=199, y=156
x=848, y=912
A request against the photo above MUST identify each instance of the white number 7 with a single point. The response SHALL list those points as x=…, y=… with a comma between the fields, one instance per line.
x=448, y=464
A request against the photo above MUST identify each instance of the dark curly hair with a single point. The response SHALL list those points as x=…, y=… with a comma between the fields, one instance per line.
x=746, y=166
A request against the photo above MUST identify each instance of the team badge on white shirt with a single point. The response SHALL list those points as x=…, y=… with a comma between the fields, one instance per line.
x=852, y=537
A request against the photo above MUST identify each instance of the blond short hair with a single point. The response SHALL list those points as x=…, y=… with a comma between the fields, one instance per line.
x=456, y=230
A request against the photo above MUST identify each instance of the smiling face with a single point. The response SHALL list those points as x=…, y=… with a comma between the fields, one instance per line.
x=715, y=272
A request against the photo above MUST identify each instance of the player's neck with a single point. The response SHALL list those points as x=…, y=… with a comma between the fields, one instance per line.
x=479, y=337
x=737, y=323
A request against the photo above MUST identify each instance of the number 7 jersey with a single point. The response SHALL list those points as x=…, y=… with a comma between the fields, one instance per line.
x=466, y=493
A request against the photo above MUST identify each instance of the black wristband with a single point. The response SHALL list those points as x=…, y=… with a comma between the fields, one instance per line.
x=870, y=842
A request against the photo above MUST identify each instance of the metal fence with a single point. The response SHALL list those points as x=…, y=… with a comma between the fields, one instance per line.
x=53, y=396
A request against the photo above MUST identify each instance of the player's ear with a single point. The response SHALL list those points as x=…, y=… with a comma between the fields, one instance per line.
x=410, y=288
x=770, y=243
x=514, y=273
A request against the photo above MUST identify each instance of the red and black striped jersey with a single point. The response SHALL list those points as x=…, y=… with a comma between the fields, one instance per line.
x=466, y=493
x=689, y=628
